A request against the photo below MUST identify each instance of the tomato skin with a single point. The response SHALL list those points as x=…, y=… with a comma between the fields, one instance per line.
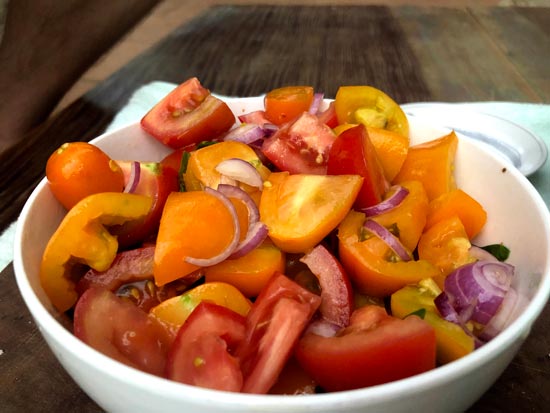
x=121, y=331
x=286, y=103
x=78, y=169
x=336, y=292
x=156, y=182
x=201, y=354
x=189, y=114
x=275, y=322
x=376, y=348
x=353, y=153
x=301, y=146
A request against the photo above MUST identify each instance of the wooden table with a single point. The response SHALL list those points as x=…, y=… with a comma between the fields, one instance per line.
x=414, y=54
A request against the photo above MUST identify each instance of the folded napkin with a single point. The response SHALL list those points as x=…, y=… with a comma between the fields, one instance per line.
x=533, y=117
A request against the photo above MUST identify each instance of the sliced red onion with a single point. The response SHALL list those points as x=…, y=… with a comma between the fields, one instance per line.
x=133, y=180
x=480, y=254
x=391, y=240
x=398, y=195
x=257, y=231
x=232, y=191
x=255, y=235
x=240, y=170
x=476, y=290
x=269, y=129
x=512, y=305
x=245, y=133
x=206, y=262
x=316, y=103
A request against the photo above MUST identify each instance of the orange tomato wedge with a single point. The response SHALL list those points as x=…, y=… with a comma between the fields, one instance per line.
x=173, y=312
x=193, y=224
x=251, y=272
x=300, y=210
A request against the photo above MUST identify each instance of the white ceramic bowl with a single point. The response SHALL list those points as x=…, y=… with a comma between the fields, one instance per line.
x=517, y=216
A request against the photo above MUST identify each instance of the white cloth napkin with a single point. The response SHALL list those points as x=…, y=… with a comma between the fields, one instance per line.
x=534, y=117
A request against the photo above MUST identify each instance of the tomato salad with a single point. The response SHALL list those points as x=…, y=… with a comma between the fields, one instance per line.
x=300, y=248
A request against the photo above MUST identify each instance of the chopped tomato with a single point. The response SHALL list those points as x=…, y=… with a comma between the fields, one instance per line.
x=376, y=348
x=173, y=312
x=301, y=146
x=186, y=230
x=300, y=210
x=120, y=330
x=336, y=292
x=353, y=153
x=156, y=182
x=189, y=114
x=273, y=326
x=371, y=107
x=78, y=169
x=372, y=266
x=251, y=272
x=203, y=352
x=286, y=103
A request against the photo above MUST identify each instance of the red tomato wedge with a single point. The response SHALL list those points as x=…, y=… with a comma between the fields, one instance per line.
x=277, y=319
x=189, y=114
x=202, y=353
x=156, y=182
x=336, y=292
x=353, y=153
x=376, y=348
x=301, y=146
x=121, y=331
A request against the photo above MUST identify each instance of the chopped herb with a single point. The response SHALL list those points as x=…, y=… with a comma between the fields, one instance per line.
x=183, y=168
x=204, y=144
x=499, y=251
x=421, y=312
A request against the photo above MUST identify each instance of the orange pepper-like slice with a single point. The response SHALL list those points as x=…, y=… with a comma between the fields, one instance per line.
x=82, y=237
x=431, y=163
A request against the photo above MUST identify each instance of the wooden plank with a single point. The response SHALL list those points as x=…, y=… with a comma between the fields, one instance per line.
x=523, y=37
x=459, y=59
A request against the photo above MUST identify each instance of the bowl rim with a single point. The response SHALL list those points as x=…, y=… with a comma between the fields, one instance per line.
x=519, y=329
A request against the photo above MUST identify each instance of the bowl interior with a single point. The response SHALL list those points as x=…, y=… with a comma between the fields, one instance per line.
x=517, y=217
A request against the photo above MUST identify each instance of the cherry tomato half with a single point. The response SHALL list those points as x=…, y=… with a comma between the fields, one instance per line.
x=78, y=169
x=286, y=103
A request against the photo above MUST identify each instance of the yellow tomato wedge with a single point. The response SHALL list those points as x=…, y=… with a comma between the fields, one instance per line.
x=173, y=312
x=250, y=272
x=371, y=107
x=300, y=210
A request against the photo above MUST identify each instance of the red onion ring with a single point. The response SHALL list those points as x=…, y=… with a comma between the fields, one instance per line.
x=322, y=328
x=241, y=171
x=206, y=262
x=512, y=305
x=245, y=133
x=476, y=291
x=257, y=231
x=391, y=240
x=316, y=103
x=133, y=180
x=393, y=201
